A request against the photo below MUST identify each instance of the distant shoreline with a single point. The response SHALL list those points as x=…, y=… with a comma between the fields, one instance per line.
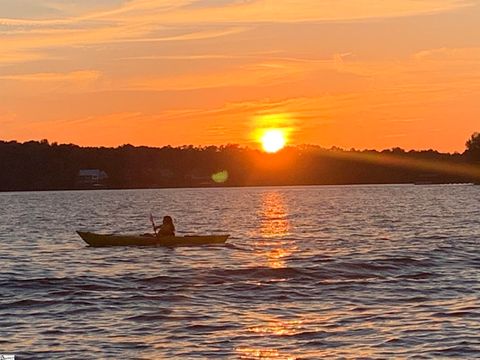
x=240, y=187
x=41, y=166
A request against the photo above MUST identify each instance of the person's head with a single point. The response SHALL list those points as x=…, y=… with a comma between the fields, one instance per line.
x=167, y=220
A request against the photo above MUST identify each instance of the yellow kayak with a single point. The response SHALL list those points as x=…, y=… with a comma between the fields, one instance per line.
x=100, y=240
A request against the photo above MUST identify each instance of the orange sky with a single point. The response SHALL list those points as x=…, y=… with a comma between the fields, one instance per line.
x=349, y=73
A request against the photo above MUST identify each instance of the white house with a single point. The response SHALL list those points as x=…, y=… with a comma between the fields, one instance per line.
x=91, y=176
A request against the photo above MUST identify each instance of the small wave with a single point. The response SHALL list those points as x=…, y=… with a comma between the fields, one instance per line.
x=152, y=317
x=462, y=350
x=368, y=266
x=54, y=332
x=237, y=247
x=395, y=341
x=460, y=314
x=30, y=283
x=160, y=279
x=63, y=285
x=200, y=328
x=29, y=303
x=266, y=273
x=221, y=276
x=86, y=308
x=414, y=299
x=416, y=276
x=307, y=335
x=401, y=259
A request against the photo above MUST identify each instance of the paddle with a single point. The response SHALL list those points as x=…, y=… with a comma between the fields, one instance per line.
x=153, y=224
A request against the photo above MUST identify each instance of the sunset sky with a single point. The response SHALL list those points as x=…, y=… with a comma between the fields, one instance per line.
x=348, y=73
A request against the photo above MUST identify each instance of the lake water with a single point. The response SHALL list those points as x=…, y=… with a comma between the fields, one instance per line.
x=308, y=273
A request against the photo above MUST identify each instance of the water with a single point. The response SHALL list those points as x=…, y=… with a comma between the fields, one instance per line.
x=309, y=273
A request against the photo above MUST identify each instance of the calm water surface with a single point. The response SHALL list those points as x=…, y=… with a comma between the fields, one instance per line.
x=309, y=273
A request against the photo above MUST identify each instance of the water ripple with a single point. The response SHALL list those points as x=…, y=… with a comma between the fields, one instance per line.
x=369, y=272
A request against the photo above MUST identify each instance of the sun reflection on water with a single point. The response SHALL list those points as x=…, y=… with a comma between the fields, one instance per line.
x=273, y=247
x=276, y=258
x=264, y=354
x=279, y=328
x=270, y=326
x=274, y=216
x=274, y=229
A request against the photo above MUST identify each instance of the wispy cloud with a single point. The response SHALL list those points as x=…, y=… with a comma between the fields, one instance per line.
x=76, y=76
x=189, y=36
x=15, y=57
x=343, y=68
x=48, y=83
x=136, y=19
x=259, y=73
x=307, y=10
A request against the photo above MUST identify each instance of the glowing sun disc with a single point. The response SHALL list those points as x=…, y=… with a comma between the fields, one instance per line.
x=273, y=140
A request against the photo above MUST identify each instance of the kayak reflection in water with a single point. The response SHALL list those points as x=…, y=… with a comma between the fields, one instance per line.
x=166, y=229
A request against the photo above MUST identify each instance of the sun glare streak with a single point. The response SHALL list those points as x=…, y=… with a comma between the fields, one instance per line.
x=444, y=167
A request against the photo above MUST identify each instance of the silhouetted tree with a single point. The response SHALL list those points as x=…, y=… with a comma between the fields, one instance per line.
x=37, y=165
x=473, y=147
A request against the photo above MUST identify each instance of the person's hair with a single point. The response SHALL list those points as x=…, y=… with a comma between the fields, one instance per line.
x=168, y=219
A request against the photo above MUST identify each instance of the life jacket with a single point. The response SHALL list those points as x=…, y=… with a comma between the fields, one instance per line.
x=166, y=230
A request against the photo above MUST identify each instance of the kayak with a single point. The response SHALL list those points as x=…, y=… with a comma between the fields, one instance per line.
x=100, y=240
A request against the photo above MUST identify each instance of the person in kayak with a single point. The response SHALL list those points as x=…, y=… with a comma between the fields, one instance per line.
x=167, y=228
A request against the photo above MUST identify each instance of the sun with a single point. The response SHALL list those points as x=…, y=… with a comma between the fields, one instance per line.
x=273, y=140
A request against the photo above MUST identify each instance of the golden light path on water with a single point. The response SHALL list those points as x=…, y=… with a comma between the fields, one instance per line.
x=273, y=236
x=274, y=247
x=265, y=354
x=273, y=215
x=275, y=227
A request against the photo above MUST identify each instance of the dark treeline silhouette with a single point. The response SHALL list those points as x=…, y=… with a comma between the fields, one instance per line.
x=37, y=165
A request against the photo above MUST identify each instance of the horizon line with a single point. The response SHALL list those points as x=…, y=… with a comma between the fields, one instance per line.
x=242, y=146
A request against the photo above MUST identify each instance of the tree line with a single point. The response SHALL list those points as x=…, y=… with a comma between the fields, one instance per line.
x=40, y=165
